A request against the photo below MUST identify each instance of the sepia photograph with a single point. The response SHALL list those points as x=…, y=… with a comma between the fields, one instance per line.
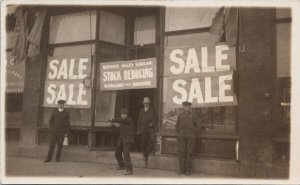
x=168, y=91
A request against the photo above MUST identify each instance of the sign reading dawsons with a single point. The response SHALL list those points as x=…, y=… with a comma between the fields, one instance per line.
x=64, y=80
x=202, y=75
x=133, y=74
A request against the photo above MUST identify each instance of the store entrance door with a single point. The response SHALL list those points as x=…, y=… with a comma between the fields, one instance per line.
x=135, y=104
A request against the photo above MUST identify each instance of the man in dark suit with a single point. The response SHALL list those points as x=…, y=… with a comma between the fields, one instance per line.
x=186, y=129
x=146, y=128
x=125, y=141
x=59, y=124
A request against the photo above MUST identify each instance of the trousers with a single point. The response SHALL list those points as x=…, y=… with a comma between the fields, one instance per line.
x=125, y=160
x=55, y=139
x=186, y=148
x=147, y=141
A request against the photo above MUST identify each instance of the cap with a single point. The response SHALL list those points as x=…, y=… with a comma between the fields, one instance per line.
x=124, y=111
x=146, y=100
x=186, y=103
x=61, y=101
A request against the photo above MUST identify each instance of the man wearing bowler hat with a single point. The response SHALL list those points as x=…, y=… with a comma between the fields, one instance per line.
x=185, y=128
x=125, y=141
x=146, y=128
x=59, y=124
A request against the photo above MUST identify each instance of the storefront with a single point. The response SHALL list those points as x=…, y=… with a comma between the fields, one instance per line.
x=101, y=59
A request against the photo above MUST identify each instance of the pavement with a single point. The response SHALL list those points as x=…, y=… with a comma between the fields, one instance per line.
x=35, y=167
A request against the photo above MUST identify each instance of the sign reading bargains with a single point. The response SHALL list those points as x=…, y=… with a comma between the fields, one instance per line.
x=133, y=74
x=202, y=75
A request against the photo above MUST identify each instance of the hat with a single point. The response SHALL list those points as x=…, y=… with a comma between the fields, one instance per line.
x=146, y=100
x=61, y=101
x=124, y=111
x=186, y=103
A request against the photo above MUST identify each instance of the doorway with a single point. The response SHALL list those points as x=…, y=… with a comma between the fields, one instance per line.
x=135, y=100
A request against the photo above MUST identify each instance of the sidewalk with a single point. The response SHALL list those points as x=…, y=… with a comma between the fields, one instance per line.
x=35, y=167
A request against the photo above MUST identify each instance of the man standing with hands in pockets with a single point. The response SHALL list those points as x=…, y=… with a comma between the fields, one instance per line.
x=146, y=128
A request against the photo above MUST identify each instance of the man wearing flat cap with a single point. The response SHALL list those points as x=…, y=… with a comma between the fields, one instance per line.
x=185, y=128
x=146, y=128
x=125, y=141
x=59, y=124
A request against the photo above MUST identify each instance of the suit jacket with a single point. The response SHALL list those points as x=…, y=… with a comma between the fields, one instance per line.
x=186, y=124
x=59, y=122
x=146, y=119
x=126, y=129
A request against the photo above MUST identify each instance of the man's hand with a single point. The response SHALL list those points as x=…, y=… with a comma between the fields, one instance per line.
x=138, y=132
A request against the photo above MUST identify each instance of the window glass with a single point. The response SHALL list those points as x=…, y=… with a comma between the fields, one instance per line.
x=106, y=100
x=72, y=27
x=112, y=28
x=188, y=18
x=283, y=37
x=144, y=30
x=196, y=39
x=14, y=102
x=211, y=119
x=78, y=116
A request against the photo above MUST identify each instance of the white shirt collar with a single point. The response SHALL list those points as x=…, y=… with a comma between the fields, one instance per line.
x=146, y=108
x=60, y=110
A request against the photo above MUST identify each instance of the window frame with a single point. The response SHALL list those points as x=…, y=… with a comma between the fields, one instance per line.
x=164, y=34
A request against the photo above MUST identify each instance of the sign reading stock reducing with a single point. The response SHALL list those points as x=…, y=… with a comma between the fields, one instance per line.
x=64, y=80
x=133, y=74
x=202, y=75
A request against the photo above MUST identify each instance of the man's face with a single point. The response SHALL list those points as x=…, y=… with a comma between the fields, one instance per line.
x=123, y=115
x=60, y=105
x=146, y=105
x=186, y=108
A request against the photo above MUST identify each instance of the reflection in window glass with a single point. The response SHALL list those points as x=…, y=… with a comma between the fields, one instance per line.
x=144, y=31
x=106, y=100
x=283, y=37
x=72, y=27
x=188, y=18
x=112, y=28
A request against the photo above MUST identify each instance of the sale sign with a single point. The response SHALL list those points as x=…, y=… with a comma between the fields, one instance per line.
x=132, y=74
x=202, y=75
x=64, y=80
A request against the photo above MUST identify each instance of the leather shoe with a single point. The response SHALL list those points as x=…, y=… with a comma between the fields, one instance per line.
x=57, y=160
x=188, y=173
x=47, y=160
x=128, y=172
x=120, y=168
x=180, y=172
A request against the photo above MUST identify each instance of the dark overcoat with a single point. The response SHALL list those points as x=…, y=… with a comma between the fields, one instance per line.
x=126, y=129
x=147, y=118
x=59, y=122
